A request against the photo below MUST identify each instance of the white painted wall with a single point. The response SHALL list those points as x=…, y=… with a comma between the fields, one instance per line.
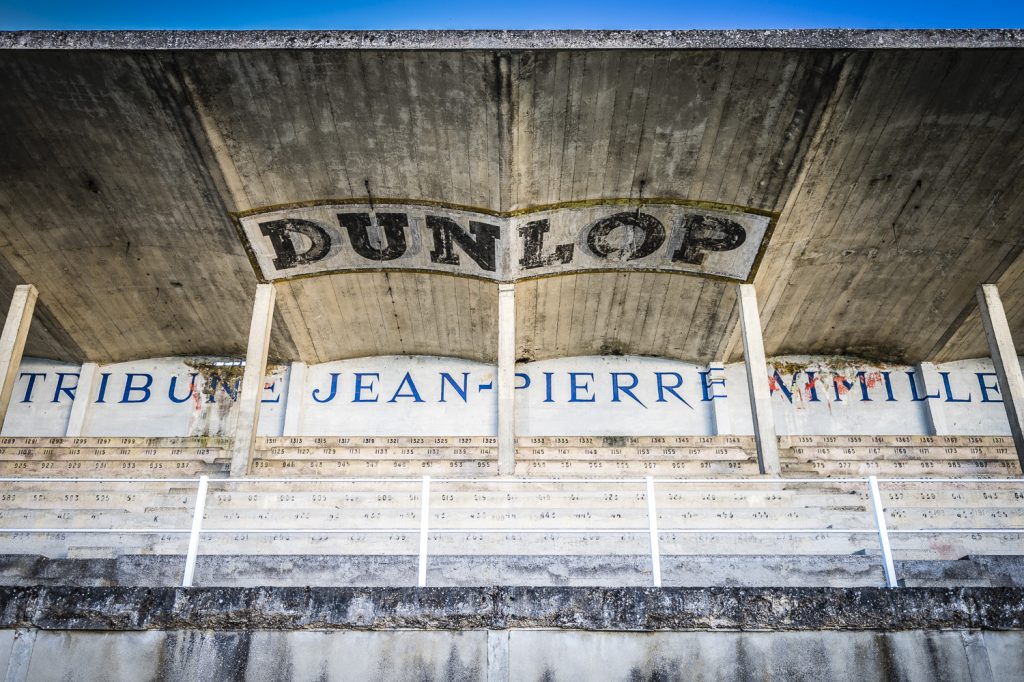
x=37, y=408
x=156, y=397
x=400, y=395
x=578, y=396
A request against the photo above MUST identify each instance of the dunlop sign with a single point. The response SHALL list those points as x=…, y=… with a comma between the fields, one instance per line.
x=345, y=237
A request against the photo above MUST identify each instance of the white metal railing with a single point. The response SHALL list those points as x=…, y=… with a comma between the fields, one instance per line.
x=879, y=526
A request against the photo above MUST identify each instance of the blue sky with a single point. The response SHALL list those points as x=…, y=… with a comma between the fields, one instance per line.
x=423, y=14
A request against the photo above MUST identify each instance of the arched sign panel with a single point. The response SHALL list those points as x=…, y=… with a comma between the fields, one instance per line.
x=708, y=240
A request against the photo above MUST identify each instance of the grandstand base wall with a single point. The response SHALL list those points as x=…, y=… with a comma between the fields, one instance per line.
x=511, y=633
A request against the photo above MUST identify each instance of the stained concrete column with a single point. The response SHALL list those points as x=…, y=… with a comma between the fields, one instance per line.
x=12, y=341
x=931, y=392
x=757, y=382
x=251, y=393
x=87, y=376
x=506, y=379
x=1004, y=357
x=293, y=402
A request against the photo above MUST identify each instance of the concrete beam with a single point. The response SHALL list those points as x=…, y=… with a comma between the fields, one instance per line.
x=87, y=376
x=12, y=341
x=251, y=393
x=293, y=402
x=1004, y=357
x=757, y=382
x=506, y=379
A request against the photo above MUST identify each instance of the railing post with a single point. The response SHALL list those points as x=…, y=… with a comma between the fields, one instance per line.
x=883, y=532
x=197, y=527
x=424, y=518
x=652, y=521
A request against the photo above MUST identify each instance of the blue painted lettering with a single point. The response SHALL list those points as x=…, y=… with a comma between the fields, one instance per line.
x=662, y=387
x=413, y=393
x=949, y=390
x=547, y=387
x=130, y=388
x=446, y=379
x=628, y=390
x=32, y=376
x=775, y=383
x=104, y=378
x=334, y=390
x=191, y=388
x=575, y=387
x=912, y=377
x=985, y=388
x=69, y=391
x=360, y=387
x=271, y=388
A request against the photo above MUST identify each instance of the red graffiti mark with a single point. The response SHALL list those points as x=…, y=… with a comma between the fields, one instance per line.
x=771, y=383
x=840, y=384
x=195, y=395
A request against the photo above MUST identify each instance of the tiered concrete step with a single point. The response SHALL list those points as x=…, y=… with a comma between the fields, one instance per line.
x=54, y=508
x=569, y=456
x=114, y=456
x=985, y=512
x=597, y=518
x=477, y=456
x=938, y=456
x=602, y=456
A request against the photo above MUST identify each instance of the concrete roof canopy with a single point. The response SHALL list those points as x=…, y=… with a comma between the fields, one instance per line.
x=890, y=165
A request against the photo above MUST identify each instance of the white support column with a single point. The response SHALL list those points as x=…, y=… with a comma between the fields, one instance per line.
x=1004, y=357
x=251, y=393
x=757, y=382
x=719, y=404
x=506, y=379
x=87, y=376
x=12, y=341
x=293, y=403
x=930, y=385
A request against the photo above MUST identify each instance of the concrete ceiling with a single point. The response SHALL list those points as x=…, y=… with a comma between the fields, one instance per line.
x=897, y=175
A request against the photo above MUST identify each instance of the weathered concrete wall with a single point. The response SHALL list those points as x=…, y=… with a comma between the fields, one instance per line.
x=512, y=634
x=514, y=655
x=589, y=395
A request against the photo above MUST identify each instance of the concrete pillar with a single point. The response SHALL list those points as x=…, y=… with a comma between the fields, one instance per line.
x=251, y=393
x=719, y=403
x=12, y=341
x=1004, y=357
x=506, y=379
x=930, y=385
x=293, y=403
x=757, y=382
x=87, y=376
